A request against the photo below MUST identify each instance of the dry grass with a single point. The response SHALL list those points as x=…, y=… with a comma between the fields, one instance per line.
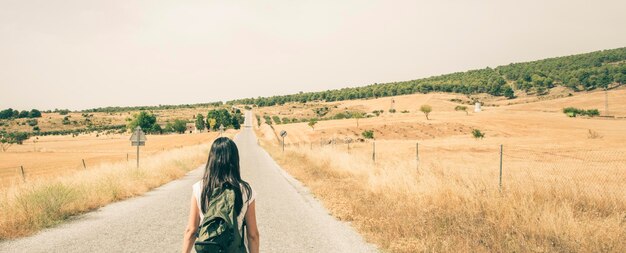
x=52, y=156
x=34, y=205
x=439, y=211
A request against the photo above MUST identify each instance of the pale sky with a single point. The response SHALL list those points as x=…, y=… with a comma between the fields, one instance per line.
x=81, y=54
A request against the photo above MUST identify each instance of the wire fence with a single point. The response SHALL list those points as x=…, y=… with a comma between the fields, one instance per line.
x=23, y=173
x=587, y=171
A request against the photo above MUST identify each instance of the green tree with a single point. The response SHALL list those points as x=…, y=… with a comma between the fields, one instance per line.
x=6, y=114
x=426, y=109
x=357, y=116
x=144, y=120
x=8, y=139
x=222, y=117
x=34, y=113
x=312, y=123
x=200, y=123
x=178, y=126
x=23, y=114
x=508, y=92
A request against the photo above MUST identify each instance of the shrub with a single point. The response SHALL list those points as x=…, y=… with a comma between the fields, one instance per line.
x=32, y=122
x=368, y=134
x=461, y=108
x=276, y=119
x=573, y=112
x=392, y=110
x=478, y=134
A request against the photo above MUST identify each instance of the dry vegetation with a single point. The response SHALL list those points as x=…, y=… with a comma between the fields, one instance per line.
x=46, y=201
x=562, y=191
x=51, y=156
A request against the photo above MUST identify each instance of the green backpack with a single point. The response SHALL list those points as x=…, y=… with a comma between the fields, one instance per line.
x=218, y=232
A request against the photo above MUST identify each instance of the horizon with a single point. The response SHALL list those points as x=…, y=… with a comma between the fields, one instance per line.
x=86, y=55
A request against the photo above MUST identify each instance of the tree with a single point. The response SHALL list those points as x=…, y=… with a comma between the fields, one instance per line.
x=34, y=113
x=222, y=117
x=461, y=108
x=144, y=120
x=312, y=123
x=212, y=123
x=508, y=92
x=178, y=126
x=23, y=114
x=357, y=116
x=200, y=124
x=6, y=114
x=8, y=139
x=426, y=109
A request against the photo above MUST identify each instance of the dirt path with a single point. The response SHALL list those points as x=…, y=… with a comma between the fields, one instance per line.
x=290, y=219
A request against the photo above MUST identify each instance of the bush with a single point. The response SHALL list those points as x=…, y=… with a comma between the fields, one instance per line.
x=478, y=134
x=392, y=110
x=276, y=119
x=32, y=122
x=368, y=134
x=573, y=112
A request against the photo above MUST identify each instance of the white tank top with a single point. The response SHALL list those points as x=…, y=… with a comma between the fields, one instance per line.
x=197, y=192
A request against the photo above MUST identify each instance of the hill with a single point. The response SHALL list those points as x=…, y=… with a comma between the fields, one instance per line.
x=582, y=72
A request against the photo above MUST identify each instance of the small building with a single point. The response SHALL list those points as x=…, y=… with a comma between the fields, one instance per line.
x=477, y=107
x=191, y=128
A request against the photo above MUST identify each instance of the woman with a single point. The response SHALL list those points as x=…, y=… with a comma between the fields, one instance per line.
x=223, y=167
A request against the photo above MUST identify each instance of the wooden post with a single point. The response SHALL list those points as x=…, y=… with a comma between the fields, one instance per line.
x=137, y=156
x=374, y=151
x=417, y=155
x=127, y=157
x=500, y=167
x=84, y=165
x=23, y=174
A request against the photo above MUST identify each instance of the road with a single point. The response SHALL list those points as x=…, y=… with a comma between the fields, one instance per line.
x=289, y=218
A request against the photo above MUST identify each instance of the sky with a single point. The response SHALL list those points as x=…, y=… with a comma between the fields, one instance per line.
x=81, y=54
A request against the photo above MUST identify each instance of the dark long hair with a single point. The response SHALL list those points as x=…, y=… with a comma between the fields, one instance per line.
x=222, y=168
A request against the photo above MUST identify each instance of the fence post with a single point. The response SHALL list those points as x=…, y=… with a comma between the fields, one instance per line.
x=374, y=151
x=23, y=174
x=500, y=167
x=127, y=157
x=417, y=155
x=84, y=165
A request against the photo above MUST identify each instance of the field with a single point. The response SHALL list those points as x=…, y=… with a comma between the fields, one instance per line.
x=51, y=156
x=562, y=178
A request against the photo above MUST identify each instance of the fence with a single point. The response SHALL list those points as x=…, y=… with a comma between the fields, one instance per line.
x=23, y=173
x=550, y=167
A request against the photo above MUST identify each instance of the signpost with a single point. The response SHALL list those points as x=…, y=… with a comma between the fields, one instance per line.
x=283, y=133
x=138, y=139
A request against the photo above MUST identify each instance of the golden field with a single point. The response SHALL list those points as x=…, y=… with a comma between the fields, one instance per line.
x=50, y=156
x=562, y=187
x=41, y=202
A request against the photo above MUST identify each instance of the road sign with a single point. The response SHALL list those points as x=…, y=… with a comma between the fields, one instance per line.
x=283, y=133
x=138, y=138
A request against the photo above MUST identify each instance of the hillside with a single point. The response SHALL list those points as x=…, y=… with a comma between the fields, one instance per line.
x=580, y=72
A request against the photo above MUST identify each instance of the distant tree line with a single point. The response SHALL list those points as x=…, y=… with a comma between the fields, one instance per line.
x=578, y=72
x=150, y=108
x=15, y=114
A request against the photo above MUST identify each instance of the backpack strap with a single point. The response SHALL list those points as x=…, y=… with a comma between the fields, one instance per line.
x=243, y=229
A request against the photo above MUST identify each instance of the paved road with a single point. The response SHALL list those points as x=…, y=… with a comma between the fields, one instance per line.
x=290, y=219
